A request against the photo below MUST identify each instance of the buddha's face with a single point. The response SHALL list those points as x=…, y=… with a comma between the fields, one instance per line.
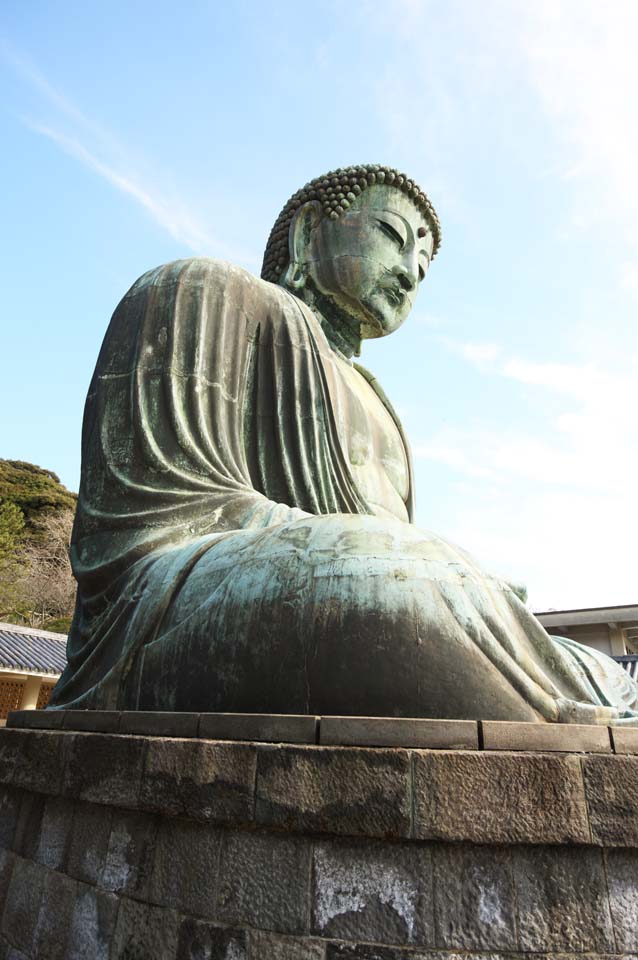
x=369, y=262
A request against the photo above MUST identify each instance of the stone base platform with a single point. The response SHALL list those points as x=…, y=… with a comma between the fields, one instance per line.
x=141, y=846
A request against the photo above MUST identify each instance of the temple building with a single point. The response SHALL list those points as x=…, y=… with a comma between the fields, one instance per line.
x=30, y=663
x=612, y=630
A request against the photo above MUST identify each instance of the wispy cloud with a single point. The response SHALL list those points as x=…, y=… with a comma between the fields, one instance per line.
x=629, y=276
x=97, y=149
x=479, y=354
x=583, y=66
x=176, y=221
x=27, y=70
x=447, y=448
x=594, y=425
x=558, y=502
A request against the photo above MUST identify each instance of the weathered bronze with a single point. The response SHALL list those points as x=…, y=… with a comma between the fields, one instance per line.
x=244, y=538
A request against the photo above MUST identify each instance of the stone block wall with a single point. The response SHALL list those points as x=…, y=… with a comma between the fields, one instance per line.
x=123, y=847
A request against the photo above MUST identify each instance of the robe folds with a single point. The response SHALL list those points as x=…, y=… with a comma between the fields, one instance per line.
x=227, y=559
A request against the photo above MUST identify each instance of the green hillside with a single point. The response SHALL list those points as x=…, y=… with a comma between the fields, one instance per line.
x=36, y=516
x=33, y=490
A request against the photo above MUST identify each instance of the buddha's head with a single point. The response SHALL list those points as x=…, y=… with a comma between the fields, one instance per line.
x=355, y=244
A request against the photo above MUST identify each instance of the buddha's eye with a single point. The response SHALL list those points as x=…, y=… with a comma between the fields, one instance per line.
x=392, y=233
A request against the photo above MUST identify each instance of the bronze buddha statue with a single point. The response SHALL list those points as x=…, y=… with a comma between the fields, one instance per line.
x=244, y=537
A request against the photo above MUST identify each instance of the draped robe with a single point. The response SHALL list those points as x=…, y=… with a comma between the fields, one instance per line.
x=227, y=559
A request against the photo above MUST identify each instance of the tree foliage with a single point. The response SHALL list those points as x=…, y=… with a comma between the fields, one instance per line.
x=34, y=490
x=46, y=585
x=36, y=516
x=11, y=528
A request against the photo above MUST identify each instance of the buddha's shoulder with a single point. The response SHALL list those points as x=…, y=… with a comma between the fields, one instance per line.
x=213, y=276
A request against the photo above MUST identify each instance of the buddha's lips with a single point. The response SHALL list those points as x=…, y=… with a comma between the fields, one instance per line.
x=394, y=294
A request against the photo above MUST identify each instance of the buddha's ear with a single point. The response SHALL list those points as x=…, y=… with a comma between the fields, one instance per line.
x=302, y=224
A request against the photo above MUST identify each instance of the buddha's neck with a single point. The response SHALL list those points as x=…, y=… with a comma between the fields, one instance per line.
x=342, y=332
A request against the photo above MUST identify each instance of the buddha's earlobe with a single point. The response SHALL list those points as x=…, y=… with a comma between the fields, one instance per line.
x=295, y=276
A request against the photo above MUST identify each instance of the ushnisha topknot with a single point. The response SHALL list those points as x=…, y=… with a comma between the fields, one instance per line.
x=335, y=191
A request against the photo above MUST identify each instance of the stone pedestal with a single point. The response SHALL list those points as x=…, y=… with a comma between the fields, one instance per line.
x=125, y=846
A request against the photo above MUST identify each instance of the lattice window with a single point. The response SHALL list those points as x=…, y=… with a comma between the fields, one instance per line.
x=10, y=696
x=44, y=695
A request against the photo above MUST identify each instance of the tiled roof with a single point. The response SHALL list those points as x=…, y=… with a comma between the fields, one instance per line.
x=31, y=651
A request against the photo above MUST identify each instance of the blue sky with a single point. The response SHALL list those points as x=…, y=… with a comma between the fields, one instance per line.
x=135, y=133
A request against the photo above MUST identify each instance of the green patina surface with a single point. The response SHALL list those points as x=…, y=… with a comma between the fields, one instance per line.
x=244, y=537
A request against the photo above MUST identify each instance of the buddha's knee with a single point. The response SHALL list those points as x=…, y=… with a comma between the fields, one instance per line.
x=348, y=535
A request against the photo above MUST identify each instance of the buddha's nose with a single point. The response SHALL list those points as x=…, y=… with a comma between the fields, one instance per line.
x=406, y=275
